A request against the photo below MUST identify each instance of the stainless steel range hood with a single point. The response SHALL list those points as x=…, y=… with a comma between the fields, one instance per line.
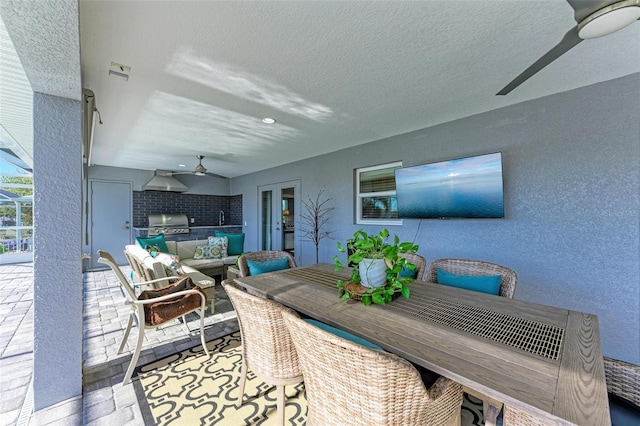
x=163, y=180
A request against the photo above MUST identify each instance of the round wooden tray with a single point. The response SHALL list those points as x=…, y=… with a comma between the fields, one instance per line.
x=356, y=290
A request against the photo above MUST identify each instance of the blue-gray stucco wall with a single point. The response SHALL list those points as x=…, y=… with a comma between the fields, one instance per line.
x=572, y=200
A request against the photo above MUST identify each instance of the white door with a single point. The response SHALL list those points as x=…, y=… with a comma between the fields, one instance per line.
x=110, y=220
x=279, y=206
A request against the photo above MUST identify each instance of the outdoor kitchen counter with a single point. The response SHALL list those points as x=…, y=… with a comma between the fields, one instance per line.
x=195, y=232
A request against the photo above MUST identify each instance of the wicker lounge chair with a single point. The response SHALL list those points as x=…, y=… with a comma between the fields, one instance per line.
x=347, y=383
x=262, y=256
x=267, y=348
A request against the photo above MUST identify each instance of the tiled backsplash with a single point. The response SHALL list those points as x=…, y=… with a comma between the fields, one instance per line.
x=204, y=209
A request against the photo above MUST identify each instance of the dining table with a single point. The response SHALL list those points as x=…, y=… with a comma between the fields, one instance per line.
x=542, y=360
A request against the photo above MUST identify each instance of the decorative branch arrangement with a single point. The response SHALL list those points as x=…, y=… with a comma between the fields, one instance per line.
x=314, y=218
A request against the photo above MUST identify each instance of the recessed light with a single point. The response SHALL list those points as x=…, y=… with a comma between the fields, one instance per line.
x=182, y=165
x=268, y=120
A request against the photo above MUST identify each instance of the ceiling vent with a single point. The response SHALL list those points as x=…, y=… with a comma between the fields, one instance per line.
x=163, y=180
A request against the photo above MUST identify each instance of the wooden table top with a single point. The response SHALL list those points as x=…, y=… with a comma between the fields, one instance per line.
x=542, y=360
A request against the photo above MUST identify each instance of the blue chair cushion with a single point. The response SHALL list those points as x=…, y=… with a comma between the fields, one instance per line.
x=257, y=268
x=157, y=241
x=343, y=334
x=235, y=242
x=489, y=284
x=406, y=272
x=623, y=413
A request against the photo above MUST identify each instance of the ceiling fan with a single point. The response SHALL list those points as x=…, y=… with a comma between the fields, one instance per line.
x=200, y=170
x=594, y=19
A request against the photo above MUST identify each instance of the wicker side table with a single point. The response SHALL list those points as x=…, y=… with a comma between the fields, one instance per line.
x=233, y=272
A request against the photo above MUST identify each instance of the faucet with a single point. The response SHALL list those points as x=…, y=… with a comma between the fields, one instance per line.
x=221, y=218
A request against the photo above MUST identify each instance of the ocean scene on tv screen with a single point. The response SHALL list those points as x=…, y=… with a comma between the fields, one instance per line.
x=465, y=188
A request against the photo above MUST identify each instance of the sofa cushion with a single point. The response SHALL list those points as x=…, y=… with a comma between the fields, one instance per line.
x=202, y=263
x=198, y=277
x=172, y=246
x=186, y=249
x=204, y=252
x=157, y=241
x=170, y=261
x=218, y=247
x=147, y=265
x=137, y=252
x=235, y=245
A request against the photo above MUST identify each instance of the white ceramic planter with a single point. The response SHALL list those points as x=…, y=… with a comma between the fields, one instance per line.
x=373, y=272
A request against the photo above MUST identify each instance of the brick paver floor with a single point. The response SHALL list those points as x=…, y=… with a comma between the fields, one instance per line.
x=104, y=400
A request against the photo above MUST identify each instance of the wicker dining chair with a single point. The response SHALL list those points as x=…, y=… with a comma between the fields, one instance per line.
x=419, y=261
x=623, y=386
x=508, y=281
x=347, y=383
x=262, y=256
x=623, y=379
x=267, y=349
x=508, y=278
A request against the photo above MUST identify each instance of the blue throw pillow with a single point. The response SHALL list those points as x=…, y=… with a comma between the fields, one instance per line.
x=343, y=334
x=257, y=268
x=235, y=243
x=489, y=284
x=157, y=241
x=406, y=272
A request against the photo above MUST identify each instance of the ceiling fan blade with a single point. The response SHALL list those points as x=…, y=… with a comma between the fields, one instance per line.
x=569, y=41
x=215, y=175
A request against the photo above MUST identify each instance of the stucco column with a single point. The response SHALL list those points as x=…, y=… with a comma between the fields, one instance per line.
x=58, y=286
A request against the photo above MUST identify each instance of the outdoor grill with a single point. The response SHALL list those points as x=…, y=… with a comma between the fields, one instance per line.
x=168, y=224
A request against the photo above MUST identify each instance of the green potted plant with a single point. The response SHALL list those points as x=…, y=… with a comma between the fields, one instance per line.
x=371, y=256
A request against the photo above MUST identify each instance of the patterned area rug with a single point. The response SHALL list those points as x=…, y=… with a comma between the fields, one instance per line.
x=190, y=389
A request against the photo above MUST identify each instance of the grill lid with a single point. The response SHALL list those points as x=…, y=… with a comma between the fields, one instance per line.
x=163, y=220
x=168, y=224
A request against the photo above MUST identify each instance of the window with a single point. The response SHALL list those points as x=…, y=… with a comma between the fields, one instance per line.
x=376, y=202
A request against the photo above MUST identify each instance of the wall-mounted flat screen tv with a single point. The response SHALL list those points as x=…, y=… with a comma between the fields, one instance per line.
x=462, y=188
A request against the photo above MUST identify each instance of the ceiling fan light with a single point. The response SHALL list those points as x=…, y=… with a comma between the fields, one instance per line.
x=609, y=19
x=200, y=173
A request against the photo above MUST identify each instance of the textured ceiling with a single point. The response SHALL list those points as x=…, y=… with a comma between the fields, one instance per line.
x=16, y=107
x=333, y=74
x=52, y=64
x=45, y=35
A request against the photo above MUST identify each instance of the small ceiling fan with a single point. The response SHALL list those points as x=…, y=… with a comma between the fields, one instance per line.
x=594, y=19
x=200, y=170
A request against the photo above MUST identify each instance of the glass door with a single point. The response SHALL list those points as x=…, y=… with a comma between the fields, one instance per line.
x=279, y=211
